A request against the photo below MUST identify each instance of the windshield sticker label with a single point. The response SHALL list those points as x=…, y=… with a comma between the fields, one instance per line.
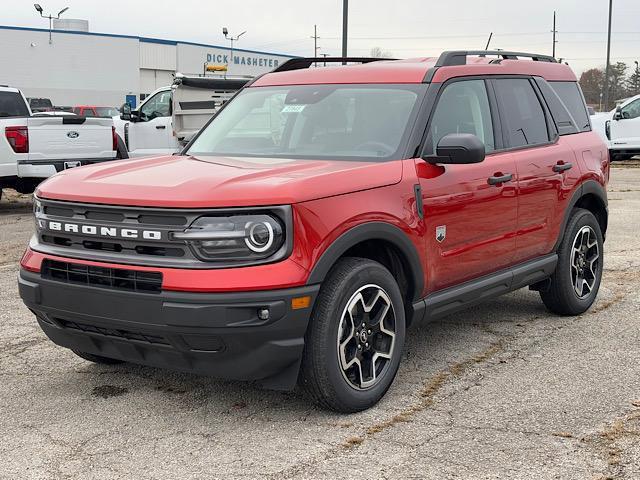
x=293, y=108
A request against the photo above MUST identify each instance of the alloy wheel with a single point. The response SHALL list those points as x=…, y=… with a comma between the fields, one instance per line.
x=585, y=261
x=366, y=336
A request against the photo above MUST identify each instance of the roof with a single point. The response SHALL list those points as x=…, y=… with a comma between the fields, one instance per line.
x=6, y=88
x=141, y=39
x=415, y=70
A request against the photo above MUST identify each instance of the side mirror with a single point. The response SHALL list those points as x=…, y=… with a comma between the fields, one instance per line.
x=618, y=113
x=458, y=148
x=125, y=112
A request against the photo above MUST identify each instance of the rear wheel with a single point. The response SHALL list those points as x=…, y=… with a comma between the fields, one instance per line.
x=97, y=358
x=354, y=341
x=575, y=283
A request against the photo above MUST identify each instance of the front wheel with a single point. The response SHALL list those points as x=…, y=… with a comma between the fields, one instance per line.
x=575, y=283
x=355, y=338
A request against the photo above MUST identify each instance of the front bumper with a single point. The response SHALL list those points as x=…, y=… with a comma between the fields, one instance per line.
x=217, y=334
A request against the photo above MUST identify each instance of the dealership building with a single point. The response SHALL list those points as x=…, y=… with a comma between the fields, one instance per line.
x=82, y=67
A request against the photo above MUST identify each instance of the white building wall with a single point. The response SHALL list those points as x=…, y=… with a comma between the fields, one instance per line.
x=75, y=69
x=158, y=56
x=102, y=69
x=191, y=60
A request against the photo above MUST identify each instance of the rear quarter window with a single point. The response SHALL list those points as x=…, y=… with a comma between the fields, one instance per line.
x=571, y=96
x=12, y=105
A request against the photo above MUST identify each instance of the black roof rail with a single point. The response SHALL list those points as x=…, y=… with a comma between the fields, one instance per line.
x=459, y=57
x=306, y=62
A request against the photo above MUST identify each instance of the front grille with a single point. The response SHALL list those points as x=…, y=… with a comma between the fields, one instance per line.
x=102, y=277
x=114, y=332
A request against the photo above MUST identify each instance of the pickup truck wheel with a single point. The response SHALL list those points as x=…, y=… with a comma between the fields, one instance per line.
x=97, y=358
x=575, y=283
x=354, y=341
x=121, y=152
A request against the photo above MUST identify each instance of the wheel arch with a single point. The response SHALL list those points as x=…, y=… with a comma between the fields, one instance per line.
x=380, y=241
x=591, y=196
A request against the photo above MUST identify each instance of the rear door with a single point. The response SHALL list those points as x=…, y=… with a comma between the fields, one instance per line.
x=545, y=164
x=470, y=222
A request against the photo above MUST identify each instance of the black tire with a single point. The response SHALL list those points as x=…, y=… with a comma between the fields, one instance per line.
x=561, y=297
x=121, y=152
x=322, y=375
x=97, y=358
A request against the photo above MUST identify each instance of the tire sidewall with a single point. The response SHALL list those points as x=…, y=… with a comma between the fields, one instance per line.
x=366, y=272
x=579, y=220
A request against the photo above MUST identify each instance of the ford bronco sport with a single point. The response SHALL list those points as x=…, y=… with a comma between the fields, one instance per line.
x=322, y=211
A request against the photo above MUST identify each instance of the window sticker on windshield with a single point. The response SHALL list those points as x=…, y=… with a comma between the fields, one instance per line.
x=293, y=108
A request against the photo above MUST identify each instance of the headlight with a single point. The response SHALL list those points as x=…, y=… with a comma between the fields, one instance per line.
x=236, y=239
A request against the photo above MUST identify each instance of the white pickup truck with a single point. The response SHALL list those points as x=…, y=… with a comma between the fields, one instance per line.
x=168, y=118
x=33, y=148
x=620, y=129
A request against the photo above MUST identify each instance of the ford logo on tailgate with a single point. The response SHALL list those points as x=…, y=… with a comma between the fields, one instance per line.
x=73, y=134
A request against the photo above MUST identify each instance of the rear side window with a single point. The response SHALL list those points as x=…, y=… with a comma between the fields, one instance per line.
x=571, y=96
x=565, y=123
x=524, y=120
x=12, y=105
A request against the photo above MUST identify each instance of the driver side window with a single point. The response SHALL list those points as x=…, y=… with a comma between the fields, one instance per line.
x=158, y=106
x=463, y=107
x=632, y=110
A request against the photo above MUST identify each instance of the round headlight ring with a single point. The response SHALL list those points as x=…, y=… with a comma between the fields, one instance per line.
x=250, y=240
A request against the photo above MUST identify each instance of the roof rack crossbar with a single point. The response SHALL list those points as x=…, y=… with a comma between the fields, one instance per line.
x=459, y=57
x=306, y=62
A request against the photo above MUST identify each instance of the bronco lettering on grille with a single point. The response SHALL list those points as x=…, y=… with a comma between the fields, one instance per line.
x=95, y=230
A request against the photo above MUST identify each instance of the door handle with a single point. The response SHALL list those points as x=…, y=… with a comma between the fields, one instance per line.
x=561, y=167
x=161, y=127
x=499, y=179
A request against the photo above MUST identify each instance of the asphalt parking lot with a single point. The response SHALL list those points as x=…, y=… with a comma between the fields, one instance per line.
x=504, y=390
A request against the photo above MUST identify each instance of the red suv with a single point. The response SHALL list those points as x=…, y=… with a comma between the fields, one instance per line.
x=319, y=214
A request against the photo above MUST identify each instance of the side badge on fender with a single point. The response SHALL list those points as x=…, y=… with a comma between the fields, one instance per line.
x=441, y=233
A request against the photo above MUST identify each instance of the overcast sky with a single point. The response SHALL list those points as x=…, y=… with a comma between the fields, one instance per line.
x=406, y=28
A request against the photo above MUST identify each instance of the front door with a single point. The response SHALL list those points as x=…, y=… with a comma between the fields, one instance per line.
x=152, y=134
x=625, y=132
x=470, y=215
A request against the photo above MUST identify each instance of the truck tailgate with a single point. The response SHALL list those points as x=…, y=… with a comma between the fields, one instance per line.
x=70, y=138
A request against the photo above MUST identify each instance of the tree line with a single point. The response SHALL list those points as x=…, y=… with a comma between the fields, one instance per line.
x=622, y=84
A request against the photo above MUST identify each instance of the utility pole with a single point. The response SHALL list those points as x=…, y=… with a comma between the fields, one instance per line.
x=315, y=43
x=554, y=31
x=345, y=23
x=636, y=78
x=325, y=55
x=608, y=68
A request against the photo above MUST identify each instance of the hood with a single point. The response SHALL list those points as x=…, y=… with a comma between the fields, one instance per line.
x=203, y=182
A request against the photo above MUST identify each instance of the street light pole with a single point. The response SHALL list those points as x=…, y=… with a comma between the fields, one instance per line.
x=608, y=68
x=345, y=24
x=225, y=32
x=50, y=17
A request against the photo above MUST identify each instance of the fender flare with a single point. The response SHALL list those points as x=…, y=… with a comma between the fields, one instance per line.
x=372, y=231
x=589, y=187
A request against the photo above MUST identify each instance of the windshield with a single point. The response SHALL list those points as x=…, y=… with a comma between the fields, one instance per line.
x=107, y=111
x=340, y=122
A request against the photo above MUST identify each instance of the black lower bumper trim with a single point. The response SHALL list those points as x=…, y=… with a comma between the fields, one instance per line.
x=217, y=334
